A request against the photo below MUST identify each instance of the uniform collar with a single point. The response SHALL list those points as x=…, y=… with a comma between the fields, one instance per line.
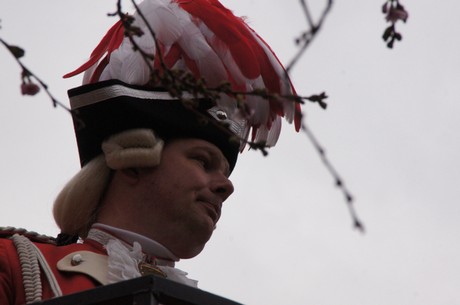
x=102, y=233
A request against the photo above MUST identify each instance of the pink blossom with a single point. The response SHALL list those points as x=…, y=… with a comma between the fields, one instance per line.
x=397, y=13
x=29, y=88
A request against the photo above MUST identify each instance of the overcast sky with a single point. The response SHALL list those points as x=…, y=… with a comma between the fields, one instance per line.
x=391, y=129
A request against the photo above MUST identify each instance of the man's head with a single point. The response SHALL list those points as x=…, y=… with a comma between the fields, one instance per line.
x=176, y=203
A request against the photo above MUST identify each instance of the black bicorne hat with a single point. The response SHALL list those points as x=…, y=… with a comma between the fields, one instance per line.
x=109, y=107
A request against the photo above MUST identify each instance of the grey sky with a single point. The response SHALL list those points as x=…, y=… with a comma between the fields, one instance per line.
x=391, y=130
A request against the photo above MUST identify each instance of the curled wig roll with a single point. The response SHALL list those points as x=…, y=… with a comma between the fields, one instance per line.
x=75, y=208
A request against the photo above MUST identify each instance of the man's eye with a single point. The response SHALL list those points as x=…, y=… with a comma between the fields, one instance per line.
x=202, y=161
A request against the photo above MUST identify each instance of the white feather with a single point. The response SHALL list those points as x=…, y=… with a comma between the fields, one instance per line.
x=208, y=62
x=224, y=54
x=163, y=17
x=286, y=88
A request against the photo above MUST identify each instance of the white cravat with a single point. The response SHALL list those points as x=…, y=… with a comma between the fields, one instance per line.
x=149, y=246
x=126, y=249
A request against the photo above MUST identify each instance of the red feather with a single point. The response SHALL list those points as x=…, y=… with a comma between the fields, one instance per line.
x=99, y=69
x=229, y=29
x=173, y=55
x=248, y=54
x=110, y=42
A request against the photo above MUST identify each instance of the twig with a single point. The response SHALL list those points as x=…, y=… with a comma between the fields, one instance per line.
x=18, y=53
x=27, y=74
x=307, y=36
x=338, y=180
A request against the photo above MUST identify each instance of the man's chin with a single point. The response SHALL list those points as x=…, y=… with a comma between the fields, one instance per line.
x=197, y=237
x=191, y=252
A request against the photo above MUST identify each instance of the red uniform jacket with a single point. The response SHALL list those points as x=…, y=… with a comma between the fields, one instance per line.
x=11, y=279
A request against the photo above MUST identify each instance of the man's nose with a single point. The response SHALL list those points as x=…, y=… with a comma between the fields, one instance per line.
x=222, y=186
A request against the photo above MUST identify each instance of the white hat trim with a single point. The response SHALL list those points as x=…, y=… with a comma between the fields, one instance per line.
x=117, y=90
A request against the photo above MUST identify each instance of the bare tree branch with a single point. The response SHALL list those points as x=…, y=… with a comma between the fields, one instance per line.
x=28, y=87
x=307, y=36
x=339, y=182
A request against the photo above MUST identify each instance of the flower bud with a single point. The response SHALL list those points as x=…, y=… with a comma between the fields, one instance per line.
x=29, y=88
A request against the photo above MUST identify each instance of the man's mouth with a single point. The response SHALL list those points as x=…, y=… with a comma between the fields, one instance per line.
x=212, y=209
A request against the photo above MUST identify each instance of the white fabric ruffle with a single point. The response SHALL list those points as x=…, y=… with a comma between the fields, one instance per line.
x=123, y=264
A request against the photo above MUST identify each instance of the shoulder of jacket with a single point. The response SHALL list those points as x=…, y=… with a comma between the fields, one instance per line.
x=8, y=232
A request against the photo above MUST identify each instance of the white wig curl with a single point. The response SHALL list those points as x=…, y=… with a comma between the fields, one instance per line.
x=75, y=208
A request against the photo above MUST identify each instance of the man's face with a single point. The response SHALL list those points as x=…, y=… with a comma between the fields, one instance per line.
x=180, y=200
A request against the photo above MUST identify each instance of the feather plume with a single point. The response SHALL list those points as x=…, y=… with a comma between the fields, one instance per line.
x=208, y=40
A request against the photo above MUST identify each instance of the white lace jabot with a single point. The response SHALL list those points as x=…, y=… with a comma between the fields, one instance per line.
x=149, y=246
x=127, y=249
